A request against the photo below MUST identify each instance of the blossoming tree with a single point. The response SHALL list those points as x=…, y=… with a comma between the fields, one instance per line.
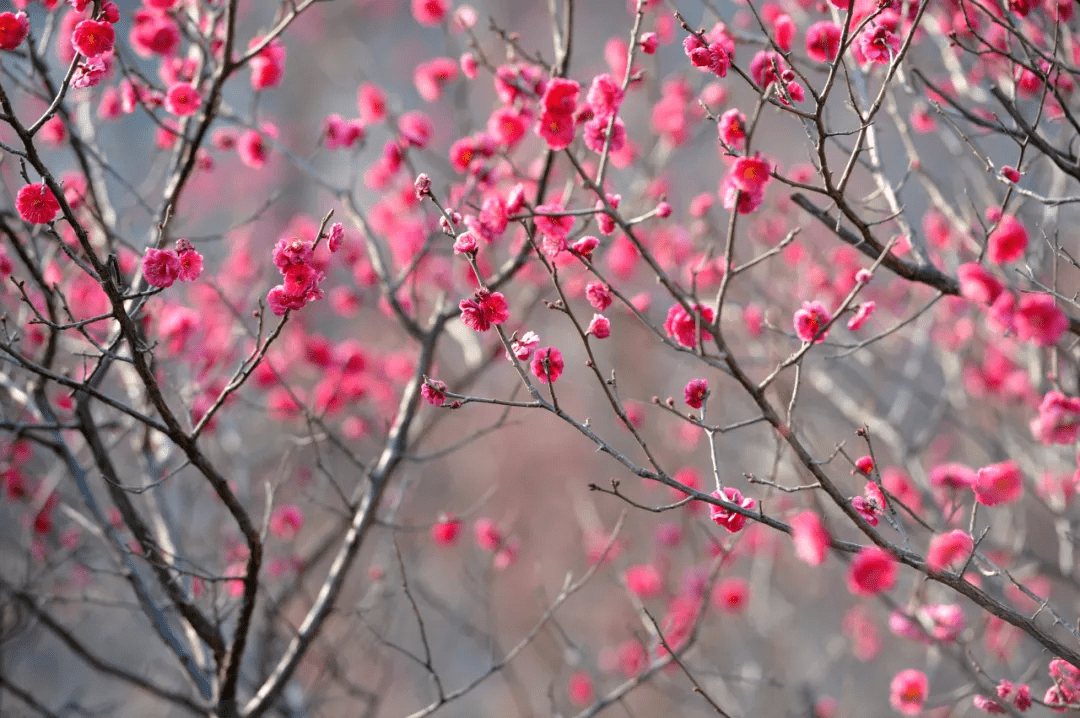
x=680, y=357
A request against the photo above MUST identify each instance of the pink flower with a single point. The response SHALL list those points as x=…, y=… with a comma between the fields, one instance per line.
x=507, y=126
x=999, y=484
x=732, y=128
x=429, y=12
x=707, y=58
x=1055, y=699
x=191, y=262
x=555, y=129
x=872, y=571
x=547, y=365
x=556, y=123
x=444, y=532
x=784, y=31
x=339, y=132
x=92, y=38
x=1038, y=319
x=643, y=580
x=949, y=550
x=470, y=66
x=523, y=348
x=429, y=77
x=290, y=252
x=268, y=67
x=750, y=174
x=302, y=282
x=371, y=102
x=177, y=326
x=862, y=314
x=1011, y=174
x=1007, y=242
x=280, y=302
x=433, y=392
x=1059, y=419
x=921, y=120
x=695, y=393
x=466, y=244
x=553, y=228
x=730, y=520
x=765, y=68
x=488, y=535
x=36, y=204
x=492, y=220
x=977, y=284
x=596, y=134
x=863, y=632
x=904, y=626
x=505, y=556
x=948, y=619
x=864, y=465
x=286, y=521
x=810, y=320
x=335, y=237
x=484, y=309
x=683, y=326
x=153, y=33
x=879, y=43
x=1002, y=313
x=908, y=690
x=89, y=73
x=731, y=595
x=649, y=42
x=733, y=198
x=868, y=509
x=416, y=129
x=252, y=149
x=183, y=99
x=422, y=185
x=823, y=41
x=810, y=537
x=1067, y=678
x=13, y=30
x=604, y=97
x=599, y=327
x=580, y=689
x=462, y=153
x=953, y=476
x=988, y=705
x=161, y=267
x=599, y=295
x=1022, y=700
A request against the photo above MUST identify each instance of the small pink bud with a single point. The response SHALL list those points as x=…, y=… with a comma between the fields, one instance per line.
x=466, y=244
x=1011, y=174
x=422, y=185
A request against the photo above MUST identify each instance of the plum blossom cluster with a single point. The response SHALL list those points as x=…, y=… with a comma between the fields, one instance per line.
x=295, y=259
x=713, y=56
x=162, y=267
x=603, y=101
x=484, y=310
x=495, y=198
